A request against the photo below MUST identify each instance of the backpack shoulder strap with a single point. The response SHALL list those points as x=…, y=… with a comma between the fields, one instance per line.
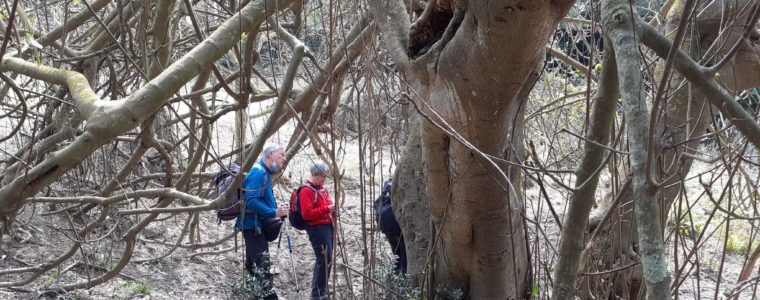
x=387, y=185
x=316, y=192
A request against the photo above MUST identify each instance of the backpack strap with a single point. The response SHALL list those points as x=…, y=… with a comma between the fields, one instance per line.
x=267, y=182
x=387, y=188
x=316, y=193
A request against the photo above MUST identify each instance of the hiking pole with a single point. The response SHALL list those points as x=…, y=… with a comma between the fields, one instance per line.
x=279, y=237
x=292, y=263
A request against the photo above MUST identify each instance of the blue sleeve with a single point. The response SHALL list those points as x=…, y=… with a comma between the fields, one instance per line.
x=255, y=185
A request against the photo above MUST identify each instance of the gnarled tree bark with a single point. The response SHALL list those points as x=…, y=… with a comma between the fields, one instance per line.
x=470, y=65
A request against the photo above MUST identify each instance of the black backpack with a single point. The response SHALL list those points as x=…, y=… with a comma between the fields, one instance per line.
x=386, y=221
x=223, y=180
x=295, y=217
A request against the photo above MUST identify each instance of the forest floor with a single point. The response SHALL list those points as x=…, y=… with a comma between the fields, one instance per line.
x=185, y=274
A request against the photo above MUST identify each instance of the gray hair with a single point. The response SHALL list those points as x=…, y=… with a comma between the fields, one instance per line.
x=271, y=149
x=320, y=168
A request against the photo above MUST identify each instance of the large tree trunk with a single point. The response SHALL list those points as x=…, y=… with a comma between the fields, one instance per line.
x=472, y=65
x=412, y=204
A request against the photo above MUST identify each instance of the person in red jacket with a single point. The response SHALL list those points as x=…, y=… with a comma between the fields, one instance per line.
x=319, y=212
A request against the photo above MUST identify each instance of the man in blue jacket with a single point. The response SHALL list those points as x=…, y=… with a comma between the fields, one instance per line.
x=259, y=206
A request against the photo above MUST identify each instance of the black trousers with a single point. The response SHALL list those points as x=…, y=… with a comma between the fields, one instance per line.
x=399, y=249
x=256, y=246
x=321, y=238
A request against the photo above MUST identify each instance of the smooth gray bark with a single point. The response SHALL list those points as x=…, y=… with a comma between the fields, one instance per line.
x=572, y=241
x=620, y=25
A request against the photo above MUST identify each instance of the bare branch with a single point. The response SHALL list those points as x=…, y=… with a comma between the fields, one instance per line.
x=696, y=74
x=110, y=120
x=84, y=97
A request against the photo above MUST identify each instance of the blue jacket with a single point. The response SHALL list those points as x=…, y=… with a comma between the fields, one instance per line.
x=259, y=198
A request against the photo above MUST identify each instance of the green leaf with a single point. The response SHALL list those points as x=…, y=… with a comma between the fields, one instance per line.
x=75, y=2
x=535, y=290
x=29, y=36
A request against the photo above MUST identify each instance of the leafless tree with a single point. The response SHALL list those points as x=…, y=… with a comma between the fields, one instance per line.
x=110, y=111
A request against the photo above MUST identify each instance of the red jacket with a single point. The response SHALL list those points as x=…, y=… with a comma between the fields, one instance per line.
x=319, y=213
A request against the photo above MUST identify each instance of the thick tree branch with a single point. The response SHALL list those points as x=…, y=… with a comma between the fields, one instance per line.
x=697, y=75
x=84, y=97
x=72, y=23
x=108, y=121
x=162, y=37
x=393, y=21
x=582, y=199
x=571, y=62
x=150, y=193
x=619, y=22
